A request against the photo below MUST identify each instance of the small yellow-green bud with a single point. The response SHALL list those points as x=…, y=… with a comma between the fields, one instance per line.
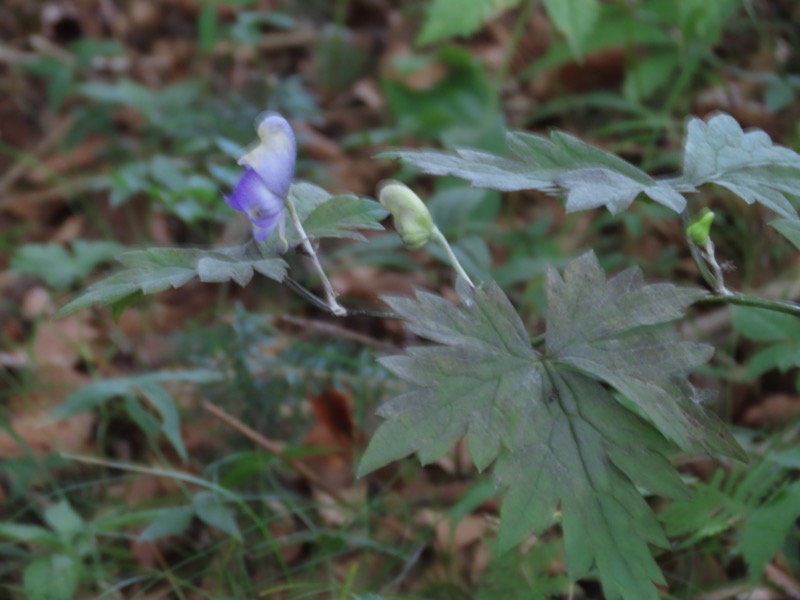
x=700, y=228
x=412, y=221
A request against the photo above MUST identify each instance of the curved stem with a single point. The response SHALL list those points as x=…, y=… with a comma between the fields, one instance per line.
x=311, y=297
x=330, y=296
x=789, y=308
x=438, y=236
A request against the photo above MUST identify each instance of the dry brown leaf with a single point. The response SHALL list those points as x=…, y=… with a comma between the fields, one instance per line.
x=31, y=416
x=36, y=302
x=62, y=342
x=774, y=411
x=334, y=430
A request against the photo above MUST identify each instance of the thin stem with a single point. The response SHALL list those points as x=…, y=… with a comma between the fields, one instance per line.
x=330, y=296
x=438, y=236
x=298, y=288
x=789, y=308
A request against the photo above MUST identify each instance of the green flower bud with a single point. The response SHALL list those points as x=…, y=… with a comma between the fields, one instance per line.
x=412, y=221
x=700, y=228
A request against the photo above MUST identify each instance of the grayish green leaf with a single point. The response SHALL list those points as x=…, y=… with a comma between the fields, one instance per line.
x=158, y=269
x=482, y=169
x=342, y=215
x=590, y=177
x=217, y=270
x=557, y=435
x=603, y=329
x=748, y=164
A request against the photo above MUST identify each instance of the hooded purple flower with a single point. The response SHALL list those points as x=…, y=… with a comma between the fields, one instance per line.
x=262, y=190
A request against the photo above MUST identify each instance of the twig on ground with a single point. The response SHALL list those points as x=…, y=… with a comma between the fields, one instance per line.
x=336, y=331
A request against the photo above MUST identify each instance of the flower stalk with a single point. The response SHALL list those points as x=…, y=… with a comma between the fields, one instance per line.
x=413, y=221
x=330, y=295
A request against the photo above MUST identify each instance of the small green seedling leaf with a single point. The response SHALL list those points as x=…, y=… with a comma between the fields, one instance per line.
x=60, y=268
x=19, y=532
x=170, y=521
x=170, y=417
x=210, y=509
x=450, y=18
x=767, y=528
x=575, y=19
x=782, y=331
x=149, y=385
x=54, y=577
x=62, y=518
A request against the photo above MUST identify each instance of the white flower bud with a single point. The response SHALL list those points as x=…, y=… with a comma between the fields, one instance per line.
x=412, y=221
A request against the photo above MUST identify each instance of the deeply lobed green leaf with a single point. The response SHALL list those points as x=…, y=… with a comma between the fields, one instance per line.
x=747, y=163
x=158, y=269
x=557, y=434
x=590, y=177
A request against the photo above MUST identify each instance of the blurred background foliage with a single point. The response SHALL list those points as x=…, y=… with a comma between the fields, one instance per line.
x=120, y=126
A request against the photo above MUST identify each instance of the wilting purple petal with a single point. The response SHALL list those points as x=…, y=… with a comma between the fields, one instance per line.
x=262, y=190
x=252, y=197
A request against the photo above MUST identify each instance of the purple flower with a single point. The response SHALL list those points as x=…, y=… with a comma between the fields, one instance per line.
x=262, y=190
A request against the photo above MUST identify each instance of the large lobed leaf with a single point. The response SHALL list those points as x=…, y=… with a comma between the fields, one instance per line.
x=158, y=269
x=748, y=164
x=590, y=177
x=550, y=422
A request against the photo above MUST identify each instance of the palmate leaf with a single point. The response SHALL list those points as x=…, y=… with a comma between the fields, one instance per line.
x=748, y=164
x=158, y=269
x=590, y=177
x=550, y=421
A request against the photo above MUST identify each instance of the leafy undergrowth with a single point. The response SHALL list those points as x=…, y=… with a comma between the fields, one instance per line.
x=204, y=442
